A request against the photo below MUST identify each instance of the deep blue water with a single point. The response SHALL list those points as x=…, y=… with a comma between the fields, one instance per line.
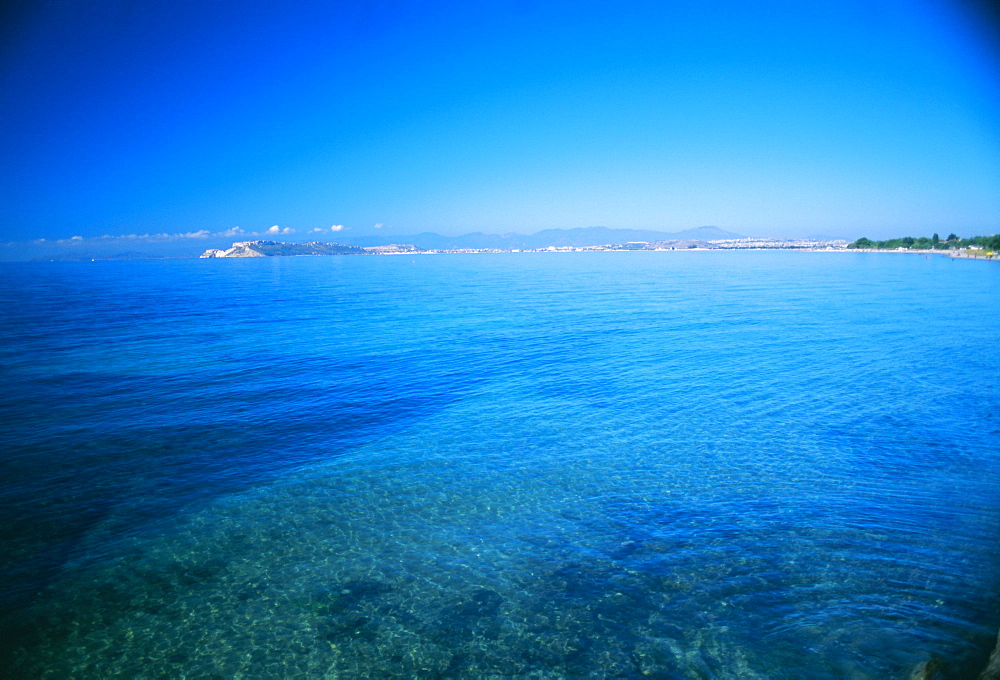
x=668, y=465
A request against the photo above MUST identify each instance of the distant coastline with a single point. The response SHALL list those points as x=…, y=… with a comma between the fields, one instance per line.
x=975, y=247
x=242, y=249
x=196, y=243
x=583, y=239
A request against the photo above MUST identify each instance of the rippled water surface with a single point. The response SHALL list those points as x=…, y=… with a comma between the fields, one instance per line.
x=667, y=465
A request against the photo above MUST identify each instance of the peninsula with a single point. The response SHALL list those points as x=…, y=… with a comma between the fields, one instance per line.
x=273, y=248
x=922, y=243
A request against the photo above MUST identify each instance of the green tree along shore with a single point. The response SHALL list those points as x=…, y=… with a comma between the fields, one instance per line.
x=932, y=243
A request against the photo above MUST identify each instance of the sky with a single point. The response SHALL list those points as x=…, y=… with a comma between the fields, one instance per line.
x=182, y=120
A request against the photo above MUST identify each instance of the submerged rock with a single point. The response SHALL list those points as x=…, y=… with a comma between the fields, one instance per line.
x=992, y=670
x=928, y=670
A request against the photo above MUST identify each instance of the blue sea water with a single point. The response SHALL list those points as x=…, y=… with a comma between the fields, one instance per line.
x=665, y=465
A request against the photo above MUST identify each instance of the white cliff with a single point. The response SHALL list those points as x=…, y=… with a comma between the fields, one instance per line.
x=239, y=249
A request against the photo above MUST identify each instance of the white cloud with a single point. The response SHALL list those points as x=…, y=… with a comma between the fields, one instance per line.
x=378, y=225
x=201, y=234
x=163, y=236
x=336, y=227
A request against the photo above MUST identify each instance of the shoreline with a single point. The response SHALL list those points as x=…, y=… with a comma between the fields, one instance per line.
x=954, y=254
x=973, y=255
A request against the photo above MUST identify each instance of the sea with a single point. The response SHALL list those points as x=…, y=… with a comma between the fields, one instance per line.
x=686, y=464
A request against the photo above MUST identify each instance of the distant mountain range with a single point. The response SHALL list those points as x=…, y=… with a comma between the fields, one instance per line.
x=579, y=237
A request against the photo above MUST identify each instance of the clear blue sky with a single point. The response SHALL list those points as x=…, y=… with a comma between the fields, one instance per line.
x=846, y=118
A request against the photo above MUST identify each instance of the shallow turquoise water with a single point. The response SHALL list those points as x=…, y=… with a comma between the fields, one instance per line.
x=674, y=465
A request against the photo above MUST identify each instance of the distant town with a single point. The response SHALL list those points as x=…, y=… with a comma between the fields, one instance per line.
x=261, y=248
